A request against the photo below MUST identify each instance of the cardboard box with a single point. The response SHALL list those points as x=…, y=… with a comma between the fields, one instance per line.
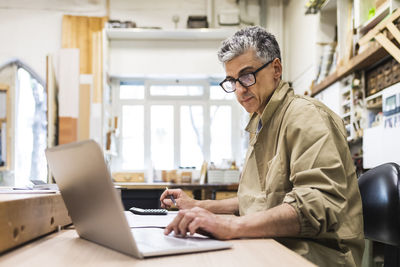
x=223, y=176
x=215, y=176
x=132, y=177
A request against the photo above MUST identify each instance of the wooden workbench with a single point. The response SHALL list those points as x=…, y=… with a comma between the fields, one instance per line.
x=24, y=217
x=66, y=249
x=147, y=195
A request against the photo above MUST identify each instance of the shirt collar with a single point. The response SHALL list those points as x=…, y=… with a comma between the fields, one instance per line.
x=276, y=99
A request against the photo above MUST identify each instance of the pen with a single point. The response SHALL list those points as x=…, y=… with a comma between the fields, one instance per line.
x=171, y=197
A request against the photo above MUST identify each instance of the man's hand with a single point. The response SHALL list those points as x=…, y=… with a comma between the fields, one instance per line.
x=182, y=200
x=199, y=220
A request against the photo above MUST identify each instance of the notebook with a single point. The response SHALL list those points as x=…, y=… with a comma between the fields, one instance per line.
x=96, y=209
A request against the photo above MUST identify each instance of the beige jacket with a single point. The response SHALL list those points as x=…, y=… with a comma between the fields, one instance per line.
x=300, y=156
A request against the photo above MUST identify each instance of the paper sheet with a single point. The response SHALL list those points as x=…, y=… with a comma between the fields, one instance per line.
x=161, y=221
x=25, y=191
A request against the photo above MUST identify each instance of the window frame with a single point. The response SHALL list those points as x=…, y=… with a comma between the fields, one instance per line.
x=176, y=101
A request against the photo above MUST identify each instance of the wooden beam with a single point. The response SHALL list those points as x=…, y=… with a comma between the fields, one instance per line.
x=84, y=111
x=378, y=28
x=7, y=120
x=389, y=46
x=24, y=217
x=394, y=31
x=68, y=130
x=77, y=32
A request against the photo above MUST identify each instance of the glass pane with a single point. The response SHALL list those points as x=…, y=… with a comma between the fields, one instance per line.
x=162, y=137
x=191, y=136
x=216, y=92
x=132, y=137
x=131, y=91
x=31, y=130
x=221, y=133
x=176, y=90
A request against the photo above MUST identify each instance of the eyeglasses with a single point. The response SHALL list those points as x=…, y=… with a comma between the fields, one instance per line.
x=246, y=80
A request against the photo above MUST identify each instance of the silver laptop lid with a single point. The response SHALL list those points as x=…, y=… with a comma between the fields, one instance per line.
x=88, y=192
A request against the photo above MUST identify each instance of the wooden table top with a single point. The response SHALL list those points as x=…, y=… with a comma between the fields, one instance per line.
x=65, y=248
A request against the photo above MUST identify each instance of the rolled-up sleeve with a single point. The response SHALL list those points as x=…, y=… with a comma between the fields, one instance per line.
x=316, y=171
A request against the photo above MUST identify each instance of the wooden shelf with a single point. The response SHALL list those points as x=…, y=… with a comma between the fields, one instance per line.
x=375, y=106
x=361, y=61
x=171, y=185
x=180, y=34
x=381, y=13
x=376, y=95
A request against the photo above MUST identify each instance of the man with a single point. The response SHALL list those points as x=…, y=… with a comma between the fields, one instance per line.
x=298, y=183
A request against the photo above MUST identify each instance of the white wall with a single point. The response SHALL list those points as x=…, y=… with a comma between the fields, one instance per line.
x=32, y=29
x=158, y=13
x=301, y=33
x=29, y=36
x=146, y=57
x=183, y=57
x=299, y=45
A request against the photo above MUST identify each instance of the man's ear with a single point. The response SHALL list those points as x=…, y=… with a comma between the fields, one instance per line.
x=277, y=68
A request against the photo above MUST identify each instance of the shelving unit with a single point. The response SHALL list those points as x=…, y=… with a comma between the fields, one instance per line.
x=362, y=61
x=349, y=103
x=379, y=46
x=373, y=107
x=362, y=22
x=179, y=34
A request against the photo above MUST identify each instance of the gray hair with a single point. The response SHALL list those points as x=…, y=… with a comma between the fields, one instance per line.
x=256, y=38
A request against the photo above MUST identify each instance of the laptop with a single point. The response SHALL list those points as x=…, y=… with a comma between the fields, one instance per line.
x=96, y=208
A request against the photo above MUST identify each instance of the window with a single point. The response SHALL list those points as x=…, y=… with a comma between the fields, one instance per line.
x=191, y=133
x=220, y=120
x=132, y=147
x=30, y=129
x=162, y=136
x=131, y=91
x=166, y=124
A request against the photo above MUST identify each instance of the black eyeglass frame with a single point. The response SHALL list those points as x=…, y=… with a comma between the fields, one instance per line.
x=238, y=79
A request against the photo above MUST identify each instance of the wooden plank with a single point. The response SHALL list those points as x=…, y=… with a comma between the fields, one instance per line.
x=97, y=67
x=84, y=112
x=24, y=217
x=68, y=82
x=84, y=44
x=222, y=187
x=389, y=46
x=52, y=105
x=394, y=31
x=66, y=249
x=68, y=130
x=9, y=145
x=66, y=32
x=77, y=32
x=7, y=120
x=225, y=195
x=378, y=28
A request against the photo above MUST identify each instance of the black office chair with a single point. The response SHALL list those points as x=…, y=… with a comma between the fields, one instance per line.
x=380, y=194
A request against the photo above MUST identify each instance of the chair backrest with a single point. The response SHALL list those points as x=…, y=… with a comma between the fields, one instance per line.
x=380, y=193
